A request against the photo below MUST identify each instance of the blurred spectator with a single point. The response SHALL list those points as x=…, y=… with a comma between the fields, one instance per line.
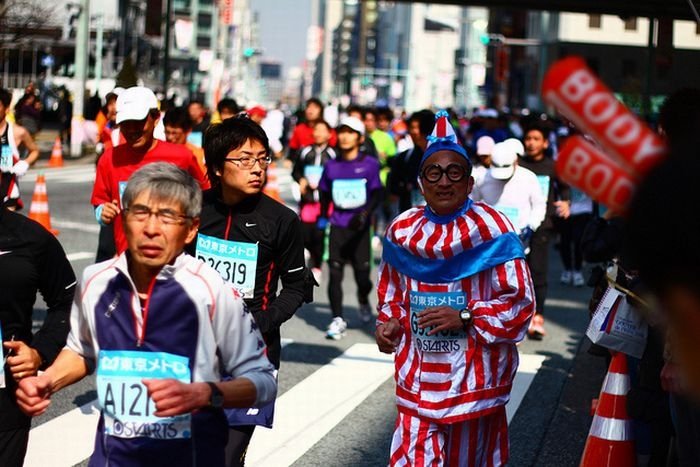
x=227, y=108
x=177, y=127
x=303, y=133
x=28, y=114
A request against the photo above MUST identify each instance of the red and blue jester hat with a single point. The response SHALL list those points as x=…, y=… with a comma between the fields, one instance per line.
x=443, y=138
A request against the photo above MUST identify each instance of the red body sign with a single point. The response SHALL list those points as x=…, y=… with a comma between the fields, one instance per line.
x=585, y=167
x=572, y=88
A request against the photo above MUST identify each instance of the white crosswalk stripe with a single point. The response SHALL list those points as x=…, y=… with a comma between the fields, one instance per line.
x=74, y=174
x=303, y=415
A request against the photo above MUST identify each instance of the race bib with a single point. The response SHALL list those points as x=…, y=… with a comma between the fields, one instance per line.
x=122, y=188
x=544, y=185
x=195, y=138
x=417, y=198
x=349, y=194
x=128, y=411
x=513, y=214
x=443, y=341
x=6, y=162
x=312, y=174
x=235, y=261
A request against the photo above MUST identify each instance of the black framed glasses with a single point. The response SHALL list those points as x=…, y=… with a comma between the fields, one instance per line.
x=454, y=172
x=141, y=213
x=249, y=162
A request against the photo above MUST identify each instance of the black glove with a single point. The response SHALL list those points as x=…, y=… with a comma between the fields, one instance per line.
x=359, y=221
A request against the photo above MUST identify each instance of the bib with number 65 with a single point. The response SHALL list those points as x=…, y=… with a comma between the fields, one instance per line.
x=237, y=262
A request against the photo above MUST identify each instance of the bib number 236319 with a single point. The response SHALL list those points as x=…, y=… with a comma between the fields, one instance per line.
x=128, y=411
x=235, y=261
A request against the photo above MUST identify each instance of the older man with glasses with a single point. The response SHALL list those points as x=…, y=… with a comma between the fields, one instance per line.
x=158, y=327
x=455, y=296
x=254, y=242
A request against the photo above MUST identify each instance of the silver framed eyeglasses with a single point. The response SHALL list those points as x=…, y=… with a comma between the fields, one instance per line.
x=249, y=162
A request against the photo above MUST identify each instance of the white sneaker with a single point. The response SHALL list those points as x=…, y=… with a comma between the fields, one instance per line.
x=566, y=277
x=336, y=330
x=578, y=279
x=365, y=312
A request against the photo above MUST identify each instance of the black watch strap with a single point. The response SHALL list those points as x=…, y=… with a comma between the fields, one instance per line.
x=216, y=399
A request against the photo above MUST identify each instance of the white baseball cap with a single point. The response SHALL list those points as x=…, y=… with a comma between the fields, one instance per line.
x=516, y=145
x=503, y=160
x=353, y=123
x=484, y=146
x=134, y=103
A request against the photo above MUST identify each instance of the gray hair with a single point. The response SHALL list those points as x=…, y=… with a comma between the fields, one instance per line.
x=165, y=181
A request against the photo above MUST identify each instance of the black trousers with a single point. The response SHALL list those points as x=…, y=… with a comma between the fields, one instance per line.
x=346, y=245
x=313, y=241
x=571, y=232
x=13, y=447
x=237, y=445
x=538, y=260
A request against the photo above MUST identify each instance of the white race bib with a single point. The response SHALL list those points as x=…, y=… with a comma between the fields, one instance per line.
x=443, y=341
x=350, y=194
x=544, y=185
x=237, y=262
x=512, y=213
x=128, y=411
x=6, y=162
x=312, y=174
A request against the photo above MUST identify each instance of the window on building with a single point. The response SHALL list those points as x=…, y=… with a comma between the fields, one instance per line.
x=631, y=24
x=203, y=42
x=595, y=21
x=204, y=20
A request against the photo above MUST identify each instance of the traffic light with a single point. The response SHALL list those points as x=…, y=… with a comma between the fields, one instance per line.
x=249, y=52
x=484, y=39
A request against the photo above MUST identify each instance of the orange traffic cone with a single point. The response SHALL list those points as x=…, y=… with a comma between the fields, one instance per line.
x=272, y=187
x=610, y=442
x=39, y=210
x=56, y=154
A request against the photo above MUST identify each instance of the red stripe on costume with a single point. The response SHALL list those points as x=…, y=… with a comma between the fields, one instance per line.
x=436, y=387
x=434, y=367
x=437, y=454
x=473, y=441
x=446, y=249
x=483, y=394
x=455, y=445
x=441, y=127
x=464, y=233
x=420, y=443
x=498, y=217
x=510, y=361
x=494, y=364
x=478, y=364
x=432, y=240
x=410, y=377
x=413, y=242
x=480, y=224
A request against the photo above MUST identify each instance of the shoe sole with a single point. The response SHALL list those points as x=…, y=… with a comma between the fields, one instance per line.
x=335, y=337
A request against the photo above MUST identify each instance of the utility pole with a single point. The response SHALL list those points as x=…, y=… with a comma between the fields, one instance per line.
x=99, y=41
x=166, y=47
x=81, y=62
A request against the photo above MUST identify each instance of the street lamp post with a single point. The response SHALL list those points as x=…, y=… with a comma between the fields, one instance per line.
x=81, y=60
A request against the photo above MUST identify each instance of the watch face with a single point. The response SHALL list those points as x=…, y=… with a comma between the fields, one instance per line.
x=465, y=315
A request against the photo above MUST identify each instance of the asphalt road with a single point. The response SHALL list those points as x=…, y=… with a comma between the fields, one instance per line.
x=348, y=421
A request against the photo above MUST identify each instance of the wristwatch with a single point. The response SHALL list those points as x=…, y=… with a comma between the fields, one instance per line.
x=466, y=316
x=216, y=399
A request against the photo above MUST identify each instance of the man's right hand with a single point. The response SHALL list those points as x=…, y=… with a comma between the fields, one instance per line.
x=387, y=335
x=109, y=212
x=303, y=186
x=33, y=395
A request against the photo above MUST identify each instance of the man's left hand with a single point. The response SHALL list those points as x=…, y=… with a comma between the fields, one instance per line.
x=24, y=360
x=563, y=209
x=444, y=318
x=173, y=397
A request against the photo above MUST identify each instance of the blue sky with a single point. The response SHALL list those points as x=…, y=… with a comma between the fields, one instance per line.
x=283, y=25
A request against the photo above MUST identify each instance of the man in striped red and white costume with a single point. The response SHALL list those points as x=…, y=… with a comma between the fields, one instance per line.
x=455, y=296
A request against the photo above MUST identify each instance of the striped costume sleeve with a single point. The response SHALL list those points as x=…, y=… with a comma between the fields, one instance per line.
x=505, y=316
x=391, y=293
